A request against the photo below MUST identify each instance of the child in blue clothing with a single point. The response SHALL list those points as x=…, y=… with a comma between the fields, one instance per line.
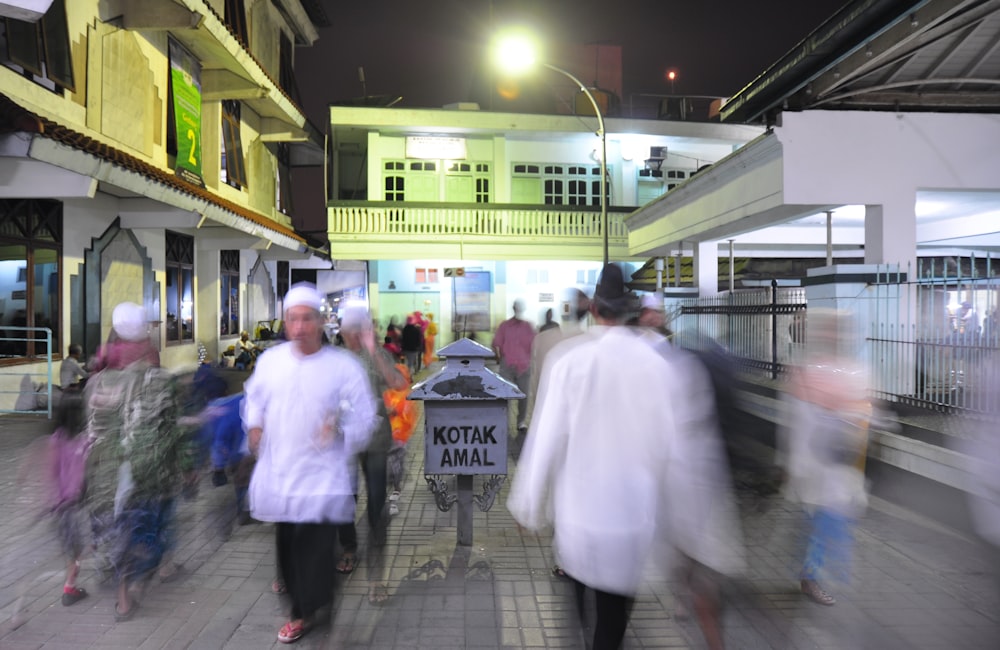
x=229, y=451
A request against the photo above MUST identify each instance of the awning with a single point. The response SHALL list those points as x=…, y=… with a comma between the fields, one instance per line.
x=43, y=140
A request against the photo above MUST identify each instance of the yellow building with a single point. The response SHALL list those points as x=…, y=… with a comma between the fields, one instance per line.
x=145, y=149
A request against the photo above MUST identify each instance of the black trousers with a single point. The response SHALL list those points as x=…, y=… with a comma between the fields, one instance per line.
x=613, y=612
x=306, y=562
x=373, y=466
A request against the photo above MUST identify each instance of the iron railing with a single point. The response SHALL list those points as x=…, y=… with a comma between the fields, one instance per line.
x=763, y=329
x=922, y=348
x=925, y=348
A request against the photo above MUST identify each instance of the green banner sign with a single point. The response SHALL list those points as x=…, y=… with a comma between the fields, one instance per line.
x=185, y=86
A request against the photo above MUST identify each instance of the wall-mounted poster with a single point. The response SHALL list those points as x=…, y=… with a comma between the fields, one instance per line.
x=185, y=87
x=471, y=296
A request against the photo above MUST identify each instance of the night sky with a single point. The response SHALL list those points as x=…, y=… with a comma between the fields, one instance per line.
x=434, y=52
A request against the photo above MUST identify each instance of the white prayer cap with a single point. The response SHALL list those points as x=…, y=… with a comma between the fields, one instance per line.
x=652, y=301
x=303, y=293
x=355, y=316
x=129, y=321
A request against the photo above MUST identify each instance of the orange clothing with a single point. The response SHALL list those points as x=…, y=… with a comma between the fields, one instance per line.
x=402, y=412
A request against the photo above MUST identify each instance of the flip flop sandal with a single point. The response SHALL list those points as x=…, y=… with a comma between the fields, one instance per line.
x=73, y=596
x=378, y=594
x=127, y=616
x=173, y=576
x=346, y=564
x=278, y=587
x=291, y=632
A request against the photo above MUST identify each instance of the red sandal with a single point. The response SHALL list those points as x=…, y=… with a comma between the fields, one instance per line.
x=291, y=632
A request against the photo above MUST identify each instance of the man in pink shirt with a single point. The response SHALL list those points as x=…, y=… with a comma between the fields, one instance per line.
x=512, y=345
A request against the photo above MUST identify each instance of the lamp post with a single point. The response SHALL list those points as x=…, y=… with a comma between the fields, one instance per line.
x=517, y=54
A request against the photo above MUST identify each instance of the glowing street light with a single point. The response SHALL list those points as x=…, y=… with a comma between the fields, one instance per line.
x=515, y=53
x=671, y=76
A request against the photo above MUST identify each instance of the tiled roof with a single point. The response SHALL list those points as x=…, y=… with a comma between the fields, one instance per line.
x=14, y=117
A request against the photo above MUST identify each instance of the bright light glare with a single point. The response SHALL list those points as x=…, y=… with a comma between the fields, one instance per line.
x=515, y=53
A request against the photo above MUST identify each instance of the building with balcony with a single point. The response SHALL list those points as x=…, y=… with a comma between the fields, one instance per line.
x=460, y=210
x=146, y=148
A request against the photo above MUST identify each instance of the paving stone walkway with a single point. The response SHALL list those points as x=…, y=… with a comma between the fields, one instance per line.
x=914, y=583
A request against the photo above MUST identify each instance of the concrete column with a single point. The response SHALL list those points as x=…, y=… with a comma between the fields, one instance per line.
x=706, y=267
x=891, y=232
x=208, y=300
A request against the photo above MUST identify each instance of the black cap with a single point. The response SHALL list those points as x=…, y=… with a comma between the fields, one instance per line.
x=611, y=296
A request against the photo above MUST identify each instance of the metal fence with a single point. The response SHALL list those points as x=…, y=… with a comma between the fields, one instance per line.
x=931, y=339
x=934, y=338
x=763, y=329
x=32, y=388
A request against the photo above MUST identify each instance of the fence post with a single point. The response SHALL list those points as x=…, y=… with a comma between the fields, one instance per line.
x=774, y=328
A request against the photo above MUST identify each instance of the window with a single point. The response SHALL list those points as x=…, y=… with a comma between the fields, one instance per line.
x=286, y=71
x=229, y=281
x=467, y=182
x=283, y=178
x=232, y=170
x=180, y=288
x=556, y=184
x=41, y=51
x=394, y=180
x=30, y=272
x=426, y=276
x=282, y=279
x=236, y=21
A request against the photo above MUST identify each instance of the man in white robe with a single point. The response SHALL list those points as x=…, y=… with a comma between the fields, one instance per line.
x=309, y=412
x=598, y=448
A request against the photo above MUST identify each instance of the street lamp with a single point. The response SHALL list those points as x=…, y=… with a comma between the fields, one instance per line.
x=516, y=54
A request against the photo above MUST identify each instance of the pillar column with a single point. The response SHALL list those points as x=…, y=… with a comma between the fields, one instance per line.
x=891, y=232
x=706, y=267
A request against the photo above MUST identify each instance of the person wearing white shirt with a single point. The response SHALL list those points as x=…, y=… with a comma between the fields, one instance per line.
x=309, y=412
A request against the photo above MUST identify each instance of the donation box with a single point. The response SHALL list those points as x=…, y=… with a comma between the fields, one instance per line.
x=465, y=427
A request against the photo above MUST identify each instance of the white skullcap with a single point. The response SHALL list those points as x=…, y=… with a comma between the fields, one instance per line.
x=355, y=316
x=129, y=321
x=303, y=293
x=652, y=301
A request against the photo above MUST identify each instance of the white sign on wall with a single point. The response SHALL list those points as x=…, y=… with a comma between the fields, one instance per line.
x=435, y=147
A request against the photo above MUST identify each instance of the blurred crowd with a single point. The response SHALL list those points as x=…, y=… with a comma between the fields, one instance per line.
x=627, y=448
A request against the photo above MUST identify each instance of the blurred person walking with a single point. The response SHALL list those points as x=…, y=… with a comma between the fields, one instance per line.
x=309, y=413
x=68, y=448
x=598, y=448
x=699, y=519
x=359, y=337
x=822, y=447
x=411, y=340
x=549, y=323
x=430, y=334
x=512, y=347
x=577, y=308
x=403, y=417
x=134, y=467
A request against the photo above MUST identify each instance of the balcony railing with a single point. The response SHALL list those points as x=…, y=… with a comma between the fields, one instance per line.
x=362, y=219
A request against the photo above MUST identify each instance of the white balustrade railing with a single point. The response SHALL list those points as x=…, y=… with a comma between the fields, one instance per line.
x=494, y=220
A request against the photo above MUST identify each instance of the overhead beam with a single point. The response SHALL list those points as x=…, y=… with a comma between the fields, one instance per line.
x=158, y=15
x=275, y=130
x=28, y=179
x=218, y=84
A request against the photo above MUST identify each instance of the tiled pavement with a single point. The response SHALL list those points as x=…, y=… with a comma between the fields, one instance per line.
x=914, y=584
